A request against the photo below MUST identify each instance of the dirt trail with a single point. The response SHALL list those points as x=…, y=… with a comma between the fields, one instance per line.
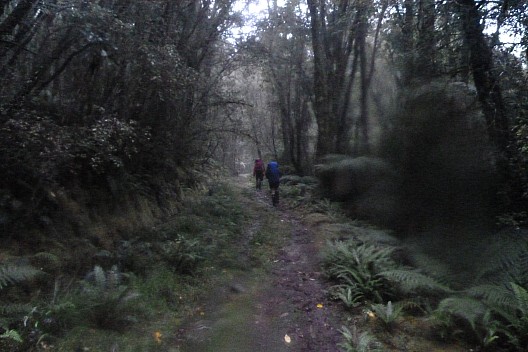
x=282, y=308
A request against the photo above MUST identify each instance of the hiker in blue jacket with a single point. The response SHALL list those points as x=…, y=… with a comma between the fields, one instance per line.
x=273, y=175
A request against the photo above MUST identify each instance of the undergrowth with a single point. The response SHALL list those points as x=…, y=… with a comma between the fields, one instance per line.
x=141, y=287
x=489, y=313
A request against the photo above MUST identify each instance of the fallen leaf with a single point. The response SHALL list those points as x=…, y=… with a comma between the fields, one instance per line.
x=319, y=305
x=287, y=338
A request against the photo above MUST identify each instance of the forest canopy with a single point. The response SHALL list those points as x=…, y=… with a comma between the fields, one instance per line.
x=145, y=96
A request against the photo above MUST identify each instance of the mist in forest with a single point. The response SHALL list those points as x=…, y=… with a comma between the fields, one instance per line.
x=435, y=166
x=433, y=181
x=439, y=148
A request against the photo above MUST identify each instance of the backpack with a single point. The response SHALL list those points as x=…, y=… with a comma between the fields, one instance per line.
x=272, y=172
x=259, y=165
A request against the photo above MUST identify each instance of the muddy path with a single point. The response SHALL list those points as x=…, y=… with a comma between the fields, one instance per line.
x=280, y=307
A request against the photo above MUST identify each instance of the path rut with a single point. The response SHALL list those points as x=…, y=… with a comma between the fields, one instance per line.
x=283, y=309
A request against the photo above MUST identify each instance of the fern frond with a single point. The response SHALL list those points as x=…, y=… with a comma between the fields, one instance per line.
x=493, y=295
x=469, y=309
x=506, y=260
x=356, y=341
x=100, y=277
x=10, y=309
x=113, y=277
x=388, y=313
x=12, y=335
x=411, y=280
x=431, y=266
x=11, y=274
x=521, y=295
x=351, y=298
x=46, y=260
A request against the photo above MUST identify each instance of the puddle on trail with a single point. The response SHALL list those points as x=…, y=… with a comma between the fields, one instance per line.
x=236, y=322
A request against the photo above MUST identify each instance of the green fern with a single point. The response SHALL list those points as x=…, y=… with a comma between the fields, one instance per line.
x=11, y=335
x=431, y=266
x=494, y=313
x=498, y=296
x=387, y=313
x=104, y=301
x=350, y=254
x=358, y=342
x=10, y=312
x=506, y=261
x=329, y=208
x=357, y=268
x=350, y=297
x=46, y=261
x=411, y=280
x=513, y=318
x=521, y=295
x=14, y=308
x=468, y=309
x=12, y=274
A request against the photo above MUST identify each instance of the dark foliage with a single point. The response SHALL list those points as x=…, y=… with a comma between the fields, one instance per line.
x=447, y=166
x=106, y=97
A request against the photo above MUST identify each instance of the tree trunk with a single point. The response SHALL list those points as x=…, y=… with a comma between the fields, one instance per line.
x=489, y=94
x=325, y=136
x=16, y=16
x=425, y=45
x=408, y=43
x=364, y=112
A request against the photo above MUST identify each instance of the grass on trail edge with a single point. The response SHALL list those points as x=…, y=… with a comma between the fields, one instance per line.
x=220, y=234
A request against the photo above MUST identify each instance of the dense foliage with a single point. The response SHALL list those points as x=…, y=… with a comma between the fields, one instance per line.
x=414, y=113
x=113, y=96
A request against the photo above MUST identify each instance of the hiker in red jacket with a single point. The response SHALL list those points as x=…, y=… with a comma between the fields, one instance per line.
x=258, y=172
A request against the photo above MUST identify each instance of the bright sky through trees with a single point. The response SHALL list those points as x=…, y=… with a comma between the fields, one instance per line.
x=253, y=11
